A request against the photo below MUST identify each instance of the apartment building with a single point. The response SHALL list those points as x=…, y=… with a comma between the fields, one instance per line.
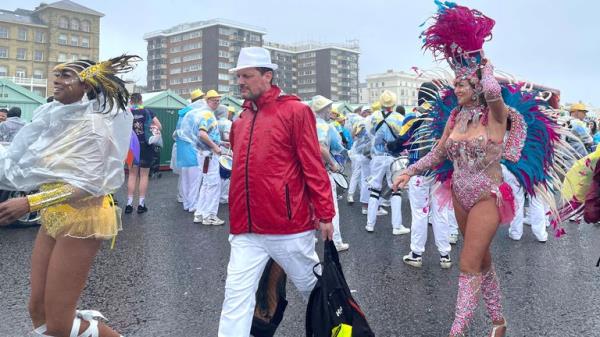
x=198, y=55
x=403, y=84
x=32, y=42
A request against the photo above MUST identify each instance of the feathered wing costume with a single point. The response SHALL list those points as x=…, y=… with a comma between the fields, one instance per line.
x=534, y=149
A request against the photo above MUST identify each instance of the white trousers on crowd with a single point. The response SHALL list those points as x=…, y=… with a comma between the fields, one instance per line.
x=191, y=179
x=224, y=191
x=420, y=192
x=365, y=172
x=250, y=253
x=356, y=160
x=380, y=170
x=537, y=211
x=337, y=235
x=210, y=188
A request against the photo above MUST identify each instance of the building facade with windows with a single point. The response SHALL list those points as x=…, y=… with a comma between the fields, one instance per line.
x=404, y=85
x=312, y=68
x=198, y=55
x=32, y=42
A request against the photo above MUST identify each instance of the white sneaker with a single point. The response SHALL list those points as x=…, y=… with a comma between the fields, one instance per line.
x=386, y=203
x=400, y=231
x=370, y=229
x=413, y=260
x=212, y=220
x=453, y=239
x=365, y=211
x=445, y=262
x=340, y=247
x=198, y=219
x=179, y=199
x=381, y=211
x=350, y=199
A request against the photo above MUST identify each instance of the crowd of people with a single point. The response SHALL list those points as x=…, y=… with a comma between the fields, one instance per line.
x=279, y=165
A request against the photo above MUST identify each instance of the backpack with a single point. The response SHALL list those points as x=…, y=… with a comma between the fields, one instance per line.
x=331, y=311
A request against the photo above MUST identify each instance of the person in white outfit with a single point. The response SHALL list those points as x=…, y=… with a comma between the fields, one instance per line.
x=207, y=205
x=330, y=143
x=538, y=217
x=222, y=114
x=385, y=128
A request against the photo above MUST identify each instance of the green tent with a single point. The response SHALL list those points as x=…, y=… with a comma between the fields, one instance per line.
x=12, y=94
x=165, y=105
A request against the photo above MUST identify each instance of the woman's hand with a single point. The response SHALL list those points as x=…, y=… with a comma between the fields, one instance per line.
x=12, y=209
x=400, y=182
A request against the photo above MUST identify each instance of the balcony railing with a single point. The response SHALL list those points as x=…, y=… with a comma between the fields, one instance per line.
x=27, y=81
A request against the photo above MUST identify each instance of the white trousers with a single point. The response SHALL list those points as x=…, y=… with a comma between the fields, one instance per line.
x=356, y=160
x=191, y=179
x=380, y=170
x=249, y=254
x=365, y=172
x=537, y=211
x=420, y=191
x=210, y=189
x=224, y=191
x=337, y=235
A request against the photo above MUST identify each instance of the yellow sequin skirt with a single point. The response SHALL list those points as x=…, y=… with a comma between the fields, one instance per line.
x=93, y=217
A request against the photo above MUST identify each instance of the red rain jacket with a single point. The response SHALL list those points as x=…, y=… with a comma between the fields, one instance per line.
x=278, y=181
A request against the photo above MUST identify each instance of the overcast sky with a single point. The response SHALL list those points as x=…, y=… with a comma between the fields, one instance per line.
x=554, y=43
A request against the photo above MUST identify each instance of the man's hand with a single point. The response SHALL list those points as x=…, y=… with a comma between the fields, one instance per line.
x=400, y=182
x=217, y=150
x=326, y=230
x=12, y=209
x=334, y=167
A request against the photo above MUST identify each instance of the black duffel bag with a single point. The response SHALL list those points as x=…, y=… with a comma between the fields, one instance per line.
x=332, y=312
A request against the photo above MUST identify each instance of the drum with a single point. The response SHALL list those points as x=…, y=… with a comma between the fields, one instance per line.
x=225, y=163
x=340, y=180
x=398, y=165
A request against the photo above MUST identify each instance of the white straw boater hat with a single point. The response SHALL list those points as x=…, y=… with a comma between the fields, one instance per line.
x=254, y=57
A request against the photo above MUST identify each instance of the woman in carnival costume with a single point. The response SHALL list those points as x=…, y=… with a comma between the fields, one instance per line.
x=73, y=152
x=471, y=119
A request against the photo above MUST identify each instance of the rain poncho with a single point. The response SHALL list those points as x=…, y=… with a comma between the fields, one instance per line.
x=74, y=143
x=199, y=118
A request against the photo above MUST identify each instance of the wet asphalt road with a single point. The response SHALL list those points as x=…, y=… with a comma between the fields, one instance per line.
x=166, y=278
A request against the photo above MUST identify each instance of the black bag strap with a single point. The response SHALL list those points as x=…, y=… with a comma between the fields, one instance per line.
x=383, y=121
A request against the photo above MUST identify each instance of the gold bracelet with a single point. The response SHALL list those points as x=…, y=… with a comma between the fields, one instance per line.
x=51, y=197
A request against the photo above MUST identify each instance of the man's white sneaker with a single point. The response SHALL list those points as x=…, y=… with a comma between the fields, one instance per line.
x=370, y=229
x=453, y=239
x=381, y=211
x=179, y=199
x=401, y=230
x=340, y=247
x=350, y=199
x=365, y=211
x=386, y=203
x=212, y=220
x=198, y=218
x=445, y=262
x=413, y=259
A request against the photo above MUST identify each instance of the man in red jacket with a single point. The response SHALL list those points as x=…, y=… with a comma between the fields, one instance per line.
x=279, y=189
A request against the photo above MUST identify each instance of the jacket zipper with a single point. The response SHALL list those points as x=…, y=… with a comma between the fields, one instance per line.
x=287, y=202
x=247, y=179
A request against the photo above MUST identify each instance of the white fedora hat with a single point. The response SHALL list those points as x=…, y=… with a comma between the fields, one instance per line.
x=254, y=57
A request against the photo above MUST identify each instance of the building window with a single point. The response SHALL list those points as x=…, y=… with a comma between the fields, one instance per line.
x=223, y=53
x=224, y=65
x=85, y=42
x=62, y=57
x=74, y=40
x=192, y=57
x=85, y=25
x=3, y=71
x=23, y=34
x=21, y=72
x=175, y=71
x=175, y=60
x=3, y=32
x=224, y=77
x=62, y=39
x=38, y=74
x=74, y=24
x=223, y=43
x=74, y=57
x=223, y=88
x=40, y=36
x=38, y=55
x=3, y=53
x=21, y=54
x=63, y=22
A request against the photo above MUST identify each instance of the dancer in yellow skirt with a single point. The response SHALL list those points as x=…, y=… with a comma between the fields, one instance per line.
x=72, y=153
